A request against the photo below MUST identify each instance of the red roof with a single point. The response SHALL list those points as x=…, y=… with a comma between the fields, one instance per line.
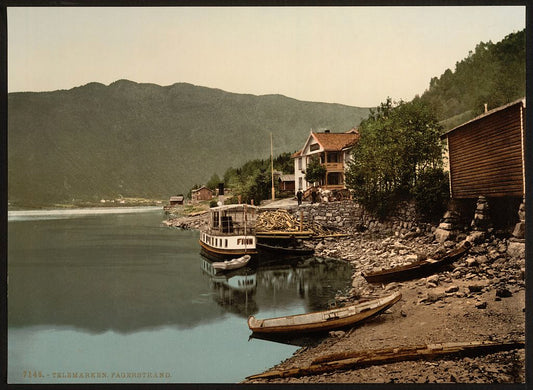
x=297, y=154
x=336, y=141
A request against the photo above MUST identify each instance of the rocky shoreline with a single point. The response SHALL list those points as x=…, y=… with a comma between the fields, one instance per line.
x=480, y=297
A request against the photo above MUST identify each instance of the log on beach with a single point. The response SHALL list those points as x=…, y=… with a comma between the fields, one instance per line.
x=357, y=359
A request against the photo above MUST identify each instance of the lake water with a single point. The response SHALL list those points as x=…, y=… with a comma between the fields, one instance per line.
x=113, y=296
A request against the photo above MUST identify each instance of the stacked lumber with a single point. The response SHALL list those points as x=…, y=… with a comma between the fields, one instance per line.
x=278, y=220
x=281, y=221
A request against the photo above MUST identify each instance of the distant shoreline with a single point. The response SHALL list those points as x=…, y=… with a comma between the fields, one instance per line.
x=50, y=213
x=128, y=203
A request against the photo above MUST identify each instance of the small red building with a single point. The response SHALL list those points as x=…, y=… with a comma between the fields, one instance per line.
x=286, y=183
x=176, y=200
x=202, y=193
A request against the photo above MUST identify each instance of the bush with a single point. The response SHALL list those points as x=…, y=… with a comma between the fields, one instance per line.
x=431, y=193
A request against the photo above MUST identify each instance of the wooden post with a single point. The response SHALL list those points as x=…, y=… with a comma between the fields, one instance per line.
x=272, y=167
x=301, y=220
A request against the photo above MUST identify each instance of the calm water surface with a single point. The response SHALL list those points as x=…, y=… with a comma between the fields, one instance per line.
x=116, y=297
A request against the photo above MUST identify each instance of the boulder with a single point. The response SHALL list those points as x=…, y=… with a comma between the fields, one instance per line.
x=516, y=249
x=452, y=289
x=503, y=293
x=442, y=235
x=481, y=305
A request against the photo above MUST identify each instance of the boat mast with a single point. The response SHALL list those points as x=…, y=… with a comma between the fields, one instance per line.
x=272, y=167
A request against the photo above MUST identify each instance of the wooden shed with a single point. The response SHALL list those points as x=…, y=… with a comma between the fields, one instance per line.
x=176, y=200
x=286, y=183
x=486, y=154
x=202, y=193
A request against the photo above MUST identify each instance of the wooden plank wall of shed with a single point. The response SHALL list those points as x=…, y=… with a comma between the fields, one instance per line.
x=486, y=156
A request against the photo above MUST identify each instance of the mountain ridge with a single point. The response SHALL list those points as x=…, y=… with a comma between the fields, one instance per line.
x=145, y=140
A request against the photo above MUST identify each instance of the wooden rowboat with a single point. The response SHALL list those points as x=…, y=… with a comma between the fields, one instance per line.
x=418, y=268
x=324, y=320
x=232, y=264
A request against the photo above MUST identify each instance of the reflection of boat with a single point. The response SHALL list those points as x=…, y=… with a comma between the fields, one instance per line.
x=285, y=250
x=324, y=320
x=230, y=231
x=418, y=268
x=239, y=262
x=306, y=340
x=234, y=289
x=241, y=282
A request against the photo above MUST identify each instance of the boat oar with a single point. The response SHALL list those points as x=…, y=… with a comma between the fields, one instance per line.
x=357, y=359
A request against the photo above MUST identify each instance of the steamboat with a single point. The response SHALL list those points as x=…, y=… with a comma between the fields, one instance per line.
x=230, y=232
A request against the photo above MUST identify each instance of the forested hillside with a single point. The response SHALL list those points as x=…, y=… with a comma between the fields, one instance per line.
x=145, y=140
x=494, y=73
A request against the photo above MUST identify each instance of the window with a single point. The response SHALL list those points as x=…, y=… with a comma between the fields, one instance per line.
x=300, y=163
x=333, y=157
x=314, y=147
x=335, y=178
x=300, y=183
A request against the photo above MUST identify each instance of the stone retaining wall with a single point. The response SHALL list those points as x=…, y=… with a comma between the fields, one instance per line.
x=351, y=216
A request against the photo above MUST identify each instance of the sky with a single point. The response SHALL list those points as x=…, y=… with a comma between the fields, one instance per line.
x=356, y=56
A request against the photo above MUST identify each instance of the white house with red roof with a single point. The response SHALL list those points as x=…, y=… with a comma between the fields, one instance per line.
x=333, y=151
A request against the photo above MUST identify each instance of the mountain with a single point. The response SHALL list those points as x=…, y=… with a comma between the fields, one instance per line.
x=494, y=73
x=145, y=140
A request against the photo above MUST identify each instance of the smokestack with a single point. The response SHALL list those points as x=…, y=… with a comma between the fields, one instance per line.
x=486, y=109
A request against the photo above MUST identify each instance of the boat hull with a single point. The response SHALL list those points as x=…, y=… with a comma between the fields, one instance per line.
x=325, y=320
x=417, y=269
x=224, y=254
x=299, y=251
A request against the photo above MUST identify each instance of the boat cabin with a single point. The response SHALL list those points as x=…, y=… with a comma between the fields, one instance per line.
x=231, y=231
x=233, y=219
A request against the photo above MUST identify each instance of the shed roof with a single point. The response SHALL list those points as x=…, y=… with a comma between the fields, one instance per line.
x=485, y=114
x=201, y=188
x=287, y=178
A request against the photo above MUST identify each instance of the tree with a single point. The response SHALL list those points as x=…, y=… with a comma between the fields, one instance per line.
x=212, y=184
x=398, y=142
x=315, y=171
x=253, y=179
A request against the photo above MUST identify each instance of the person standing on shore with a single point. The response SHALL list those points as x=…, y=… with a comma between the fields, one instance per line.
x=313, y=195
x=299, y=195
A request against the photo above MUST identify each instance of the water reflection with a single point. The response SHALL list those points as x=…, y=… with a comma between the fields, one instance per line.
x=296, y=340
x=281, y=283
x=119, y=292
x=233, y=290
x=125, y=273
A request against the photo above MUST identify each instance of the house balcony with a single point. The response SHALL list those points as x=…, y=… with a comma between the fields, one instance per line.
x=333, y=187
x=334, y=166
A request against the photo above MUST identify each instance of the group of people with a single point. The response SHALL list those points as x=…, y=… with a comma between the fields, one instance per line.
x=314, y=196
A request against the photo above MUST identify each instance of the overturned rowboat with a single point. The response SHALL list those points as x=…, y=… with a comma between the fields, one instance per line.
x=417, y=269
x=324, y=320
